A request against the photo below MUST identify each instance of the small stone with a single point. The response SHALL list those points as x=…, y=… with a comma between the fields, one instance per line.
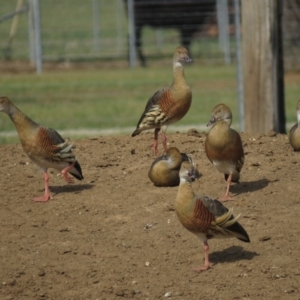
x=271, y=133
x=10, y=282
x=168, y=294
x=264, y=238
x=193, y=132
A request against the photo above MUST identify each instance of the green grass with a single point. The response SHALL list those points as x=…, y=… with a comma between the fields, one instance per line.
x=110, y=97
x=115, y=97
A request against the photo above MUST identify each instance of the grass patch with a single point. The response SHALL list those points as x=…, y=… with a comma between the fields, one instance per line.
x=116, y=97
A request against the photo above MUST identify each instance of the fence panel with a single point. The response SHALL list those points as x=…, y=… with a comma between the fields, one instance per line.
x=98, y=29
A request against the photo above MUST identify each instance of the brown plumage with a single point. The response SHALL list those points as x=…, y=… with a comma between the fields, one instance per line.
x=223, y=146
x=205, y=217
x=167, y=105
x=164, y=170
x=43, y=145
x=294, y=134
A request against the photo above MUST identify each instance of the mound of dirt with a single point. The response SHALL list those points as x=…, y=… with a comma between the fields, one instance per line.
x=115, y=235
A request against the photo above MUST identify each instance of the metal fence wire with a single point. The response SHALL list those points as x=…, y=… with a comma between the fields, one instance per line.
x=74, y=30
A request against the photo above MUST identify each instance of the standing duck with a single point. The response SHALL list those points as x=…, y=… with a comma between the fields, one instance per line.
x=44, y=146
x=223, y=146
x=167, y=105
x=164, y=170
x=205, y=217
x=294, y=135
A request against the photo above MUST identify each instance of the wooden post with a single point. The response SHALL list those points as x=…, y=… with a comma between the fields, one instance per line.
x=263, y=66
x=239, y=69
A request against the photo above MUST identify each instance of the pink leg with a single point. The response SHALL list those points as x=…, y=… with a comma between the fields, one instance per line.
x=47, y=195
x=226, y=196
x=65, y=171
x=155, y=143
x=207, y=263
x=164, y=140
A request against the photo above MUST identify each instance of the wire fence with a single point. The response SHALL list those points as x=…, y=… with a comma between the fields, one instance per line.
x=74, y=30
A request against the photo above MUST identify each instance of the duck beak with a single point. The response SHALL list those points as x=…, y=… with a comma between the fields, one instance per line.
x=192, y=174
x=211, y=121
x=187, y=59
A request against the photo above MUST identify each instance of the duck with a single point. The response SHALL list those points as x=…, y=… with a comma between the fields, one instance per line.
x=44, y=146
x=164, y=170
x=167, y=105
x=294, y=134
x=204, y=216
x=224, y=147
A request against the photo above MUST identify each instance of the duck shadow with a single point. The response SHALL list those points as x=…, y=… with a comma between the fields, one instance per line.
x=232, y=254
x=249, y=186
x=70, y=188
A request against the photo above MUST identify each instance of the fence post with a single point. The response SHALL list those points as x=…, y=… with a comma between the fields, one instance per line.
x=119, y=17
x=159, y=37
x=96, y=25
x=35, y=35
x=279, y=122
x=38, y=44
x=132, y=37
x=223, y=25
x=31, y=33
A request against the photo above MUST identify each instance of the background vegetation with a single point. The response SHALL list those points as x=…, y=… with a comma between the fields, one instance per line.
x=102, y=93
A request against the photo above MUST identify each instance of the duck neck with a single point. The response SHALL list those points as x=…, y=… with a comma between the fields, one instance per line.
x=298, y=118
x=178, y=75
x=219, y=135
x=223, y=124
x=174, y=161
x=228, y=121
x=185, y=186
x=185, y=195
x=22, y=123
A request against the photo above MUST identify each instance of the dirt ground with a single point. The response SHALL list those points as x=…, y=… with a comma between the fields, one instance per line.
x=115, y=235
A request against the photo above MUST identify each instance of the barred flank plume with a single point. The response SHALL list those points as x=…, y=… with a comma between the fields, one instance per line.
x=202, y=218
x=228, y=225
x=225, y=223
x=64, y=152
x=53, y=147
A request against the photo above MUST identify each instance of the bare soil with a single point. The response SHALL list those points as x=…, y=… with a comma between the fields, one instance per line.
x=115, y=235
